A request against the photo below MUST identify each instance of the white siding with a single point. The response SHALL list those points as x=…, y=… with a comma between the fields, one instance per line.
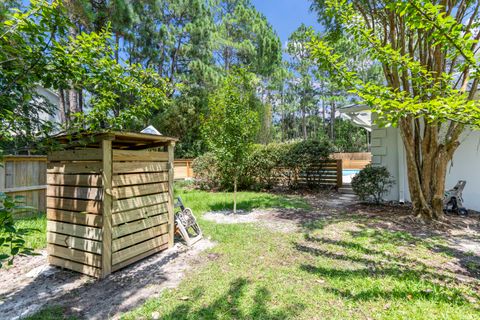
x=465, y=165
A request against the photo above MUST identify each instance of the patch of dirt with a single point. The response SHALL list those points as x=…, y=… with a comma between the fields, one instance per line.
x=269, y=218
x=31, y=284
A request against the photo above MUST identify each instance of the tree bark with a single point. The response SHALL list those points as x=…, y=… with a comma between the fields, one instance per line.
x=332, y=122
x=427, y=164
x=61, y=107
x=235, y=195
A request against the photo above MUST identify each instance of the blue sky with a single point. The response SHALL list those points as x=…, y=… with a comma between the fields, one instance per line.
x=287, y=15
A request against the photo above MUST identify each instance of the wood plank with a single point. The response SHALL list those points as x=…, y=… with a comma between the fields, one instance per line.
x=139, y=190
x=74, y=242
x=132, y=227
x=75, y=230
x=127, y=262
x=90, y=154
x=89, y=206
x=107, y=208
x=171, y=177
x=83, y=257
x=140, y=213
x=79, y=180
x=138, y=167
x=138, y=237
x=119, y=180
x=67, y=264
x=85, y=193
x=74, y=167
x=23, y=189
x=132, y=155
x=138, y=202
x=92, y=220
x=138, y=249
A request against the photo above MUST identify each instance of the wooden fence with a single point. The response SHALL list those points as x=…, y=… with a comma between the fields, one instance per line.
x=354, y=160
x=183, y=169
x=25, y=176
x=327, y=172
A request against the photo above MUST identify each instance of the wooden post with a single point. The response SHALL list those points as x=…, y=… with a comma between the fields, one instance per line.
x=107, y=208
x=339, y=173
x=171, y=218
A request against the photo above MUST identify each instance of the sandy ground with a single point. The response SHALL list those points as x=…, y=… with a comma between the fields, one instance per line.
x=286, y=220
x=32, y=284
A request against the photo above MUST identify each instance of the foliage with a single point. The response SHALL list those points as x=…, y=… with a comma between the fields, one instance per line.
x=36, y=51
x=11, y=237
x=263, y=165
x=372, y=183
x=427, y=51
x=231, y=125
x=206, y=170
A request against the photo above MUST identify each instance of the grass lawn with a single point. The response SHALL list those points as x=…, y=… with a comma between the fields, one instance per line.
x=336, y=269
x=340, y=267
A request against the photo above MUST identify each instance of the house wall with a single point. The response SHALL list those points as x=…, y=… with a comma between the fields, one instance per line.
x=388, y=151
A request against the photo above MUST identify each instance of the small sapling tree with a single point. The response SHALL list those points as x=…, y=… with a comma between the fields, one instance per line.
x=232, y=124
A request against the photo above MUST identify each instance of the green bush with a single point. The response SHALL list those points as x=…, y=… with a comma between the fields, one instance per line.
x=206, y=173
x=372, y=183
x=264, y=164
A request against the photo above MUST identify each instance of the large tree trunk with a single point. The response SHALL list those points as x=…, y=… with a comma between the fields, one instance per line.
x=428, y=155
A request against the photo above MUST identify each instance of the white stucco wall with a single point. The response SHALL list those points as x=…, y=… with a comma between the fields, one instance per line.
x=388, y=151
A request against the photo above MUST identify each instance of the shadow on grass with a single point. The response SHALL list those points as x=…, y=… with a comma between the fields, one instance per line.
x=227, y=306
x=412, y=279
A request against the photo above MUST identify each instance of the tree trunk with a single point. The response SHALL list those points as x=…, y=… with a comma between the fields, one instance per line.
x=304, y=124
x=332, y=121
x=427, y=157
x=234, y=195
x=61, y=108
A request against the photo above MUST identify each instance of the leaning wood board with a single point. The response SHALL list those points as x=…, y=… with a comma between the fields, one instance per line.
x=107, y=207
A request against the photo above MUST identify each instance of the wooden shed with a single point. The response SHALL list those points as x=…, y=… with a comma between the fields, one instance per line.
x=109, y=201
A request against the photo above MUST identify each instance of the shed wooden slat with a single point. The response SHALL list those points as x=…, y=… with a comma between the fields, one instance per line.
x=91, y=154
x=140, y=213
x=138, y=249
x=143, y=255
x=84, y=193
x=119, y=180
x=139, y=190
x=131, y=155
x=138, y=237
x=83, y=257
x=66, y=204
x=138, y=202
x=75, y=266
x=92, y=220
x=132, y=227
x=75, y=230
x=74, y=167
x=79, y=180
x=138, y=167
x=74, y=242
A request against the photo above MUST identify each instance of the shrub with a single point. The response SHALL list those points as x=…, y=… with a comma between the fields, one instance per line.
x=206, y=173
x=264, y=165
x=372, y=183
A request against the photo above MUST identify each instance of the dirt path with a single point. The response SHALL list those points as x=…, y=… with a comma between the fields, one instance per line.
x=32, y=284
